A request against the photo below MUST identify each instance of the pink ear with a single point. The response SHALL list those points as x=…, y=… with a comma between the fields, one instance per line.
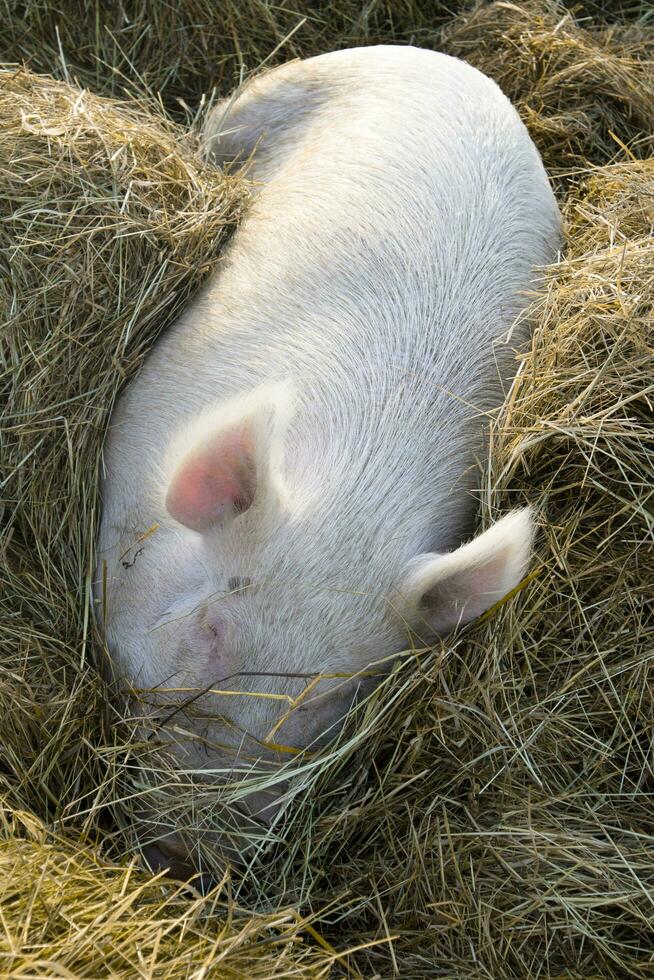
x=445, y=591
x=217, y=478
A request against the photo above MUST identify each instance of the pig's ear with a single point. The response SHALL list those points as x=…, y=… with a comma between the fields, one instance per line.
x=445, y=591
x=234, y=459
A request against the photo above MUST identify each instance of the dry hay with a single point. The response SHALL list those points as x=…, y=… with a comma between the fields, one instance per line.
x=67, y=912
x=183, y=49
x=576, y=88
x=490, y=816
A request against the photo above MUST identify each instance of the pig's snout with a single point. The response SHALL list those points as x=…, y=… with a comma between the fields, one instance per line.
x=173, y=858
x=186, y=856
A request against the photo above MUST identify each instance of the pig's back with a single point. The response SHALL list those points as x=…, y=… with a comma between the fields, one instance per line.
x=394, y=234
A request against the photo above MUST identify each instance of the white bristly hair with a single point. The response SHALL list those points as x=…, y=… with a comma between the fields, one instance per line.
x=400, y=211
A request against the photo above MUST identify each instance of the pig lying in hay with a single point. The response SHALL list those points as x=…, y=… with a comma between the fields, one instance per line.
x=288, y=481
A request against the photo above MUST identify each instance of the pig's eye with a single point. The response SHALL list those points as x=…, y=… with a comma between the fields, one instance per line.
x=235, y=583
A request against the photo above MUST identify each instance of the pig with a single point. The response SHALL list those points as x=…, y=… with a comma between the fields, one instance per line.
x=289, y=483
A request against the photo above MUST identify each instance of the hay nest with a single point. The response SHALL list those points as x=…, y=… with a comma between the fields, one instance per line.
x=182, y=50
x=490, y=815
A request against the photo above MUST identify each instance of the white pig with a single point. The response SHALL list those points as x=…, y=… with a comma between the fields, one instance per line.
x=306, y=436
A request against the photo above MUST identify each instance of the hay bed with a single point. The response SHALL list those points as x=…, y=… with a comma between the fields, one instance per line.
x=493, y=817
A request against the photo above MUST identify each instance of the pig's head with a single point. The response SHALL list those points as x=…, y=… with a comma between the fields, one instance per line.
x=278, y=612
